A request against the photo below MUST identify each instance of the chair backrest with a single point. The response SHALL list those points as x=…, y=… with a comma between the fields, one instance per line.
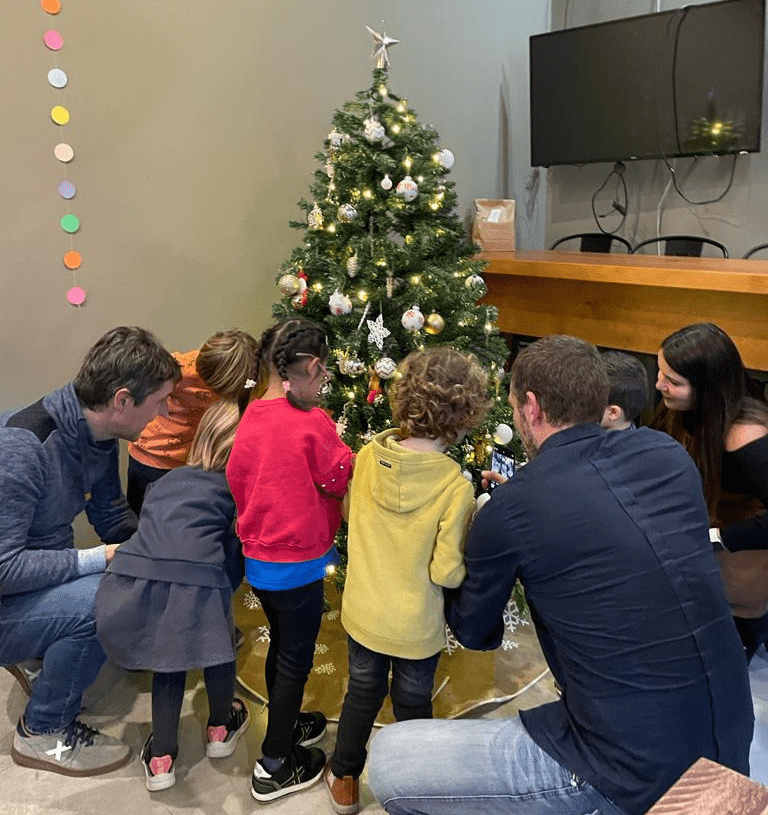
x=759, y=248
x=683, y=245
x=595, y=241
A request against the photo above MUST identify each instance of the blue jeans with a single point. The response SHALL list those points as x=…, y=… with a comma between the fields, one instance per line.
x=294, y=617
x=56, y=624
x=411, y=692
x=475, y=767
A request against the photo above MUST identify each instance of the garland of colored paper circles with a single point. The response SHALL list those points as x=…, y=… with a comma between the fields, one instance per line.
x=63, y=152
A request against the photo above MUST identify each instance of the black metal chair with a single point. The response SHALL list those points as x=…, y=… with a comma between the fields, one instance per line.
x=683, y=245
x=759, y=248
x=595, y=241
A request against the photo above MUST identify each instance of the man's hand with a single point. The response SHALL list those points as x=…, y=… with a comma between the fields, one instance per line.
x=491, y=475
x=110, y=549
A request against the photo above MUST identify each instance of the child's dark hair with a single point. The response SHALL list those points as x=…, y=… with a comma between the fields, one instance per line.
x=283, y=346
x=628, y=381
x=439, y=393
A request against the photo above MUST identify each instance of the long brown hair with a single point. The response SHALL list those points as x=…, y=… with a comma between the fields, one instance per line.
x=723, y=395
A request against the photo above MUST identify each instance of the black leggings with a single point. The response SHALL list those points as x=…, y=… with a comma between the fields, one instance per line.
x=168, y=694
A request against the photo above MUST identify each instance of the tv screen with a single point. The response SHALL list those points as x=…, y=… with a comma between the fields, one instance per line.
x=687, y=82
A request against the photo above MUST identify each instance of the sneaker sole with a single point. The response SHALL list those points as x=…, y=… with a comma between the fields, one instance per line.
x=39, y=764
x=265, y=797
x=155, y=783
x=222, y=749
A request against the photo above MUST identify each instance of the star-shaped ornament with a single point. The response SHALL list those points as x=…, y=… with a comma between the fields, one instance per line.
x=380, y=44
x=378, y=331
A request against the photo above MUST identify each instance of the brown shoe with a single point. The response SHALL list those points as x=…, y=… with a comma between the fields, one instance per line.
x=344, y=792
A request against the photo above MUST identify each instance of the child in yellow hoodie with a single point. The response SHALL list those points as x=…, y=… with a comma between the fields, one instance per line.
x=409, y=511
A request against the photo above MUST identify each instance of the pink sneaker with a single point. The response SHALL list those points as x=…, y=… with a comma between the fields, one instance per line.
x=222, y=739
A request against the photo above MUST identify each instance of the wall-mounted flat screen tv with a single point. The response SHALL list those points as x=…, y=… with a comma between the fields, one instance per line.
x=686, y=82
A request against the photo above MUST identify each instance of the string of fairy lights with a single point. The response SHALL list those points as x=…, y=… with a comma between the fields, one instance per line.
x=64, y=154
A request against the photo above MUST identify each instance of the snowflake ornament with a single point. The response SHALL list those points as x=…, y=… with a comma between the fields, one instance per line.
x=326, y=668
x=251, y=601
x=451, y=643
x=321, y=648
x=262, y=633
x=378, y=332
x=509, y=645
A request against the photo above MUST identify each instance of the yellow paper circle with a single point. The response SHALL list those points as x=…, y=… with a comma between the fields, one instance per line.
x=64, y=152
x=60, y=114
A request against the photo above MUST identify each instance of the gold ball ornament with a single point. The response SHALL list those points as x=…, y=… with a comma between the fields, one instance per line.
x=434, y=324
x=288, y=284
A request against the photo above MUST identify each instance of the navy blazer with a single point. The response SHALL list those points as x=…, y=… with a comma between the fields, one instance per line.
x=608, y=533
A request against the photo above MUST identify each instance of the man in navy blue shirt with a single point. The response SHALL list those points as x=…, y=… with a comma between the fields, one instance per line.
x=608, y=533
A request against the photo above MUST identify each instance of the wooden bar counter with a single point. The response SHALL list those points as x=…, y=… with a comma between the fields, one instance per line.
x=630, y=301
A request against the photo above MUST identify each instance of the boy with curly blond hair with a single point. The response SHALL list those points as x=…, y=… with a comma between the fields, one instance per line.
x=409, y=510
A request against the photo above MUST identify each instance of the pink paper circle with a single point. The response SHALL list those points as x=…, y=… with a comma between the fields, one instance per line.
x=76, y=296
x=63, y=152
x=53, y=40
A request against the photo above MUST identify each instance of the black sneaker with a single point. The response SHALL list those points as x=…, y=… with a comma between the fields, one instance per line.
x=222, y=740
x=309, y=728
x=300, y=770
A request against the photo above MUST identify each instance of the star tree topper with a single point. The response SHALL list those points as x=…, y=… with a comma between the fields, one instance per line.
x=378, y=332
x=380, y=44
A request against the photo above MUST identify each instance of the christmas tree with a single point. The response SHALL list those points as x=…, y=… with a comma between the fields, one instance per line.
x=387, y=267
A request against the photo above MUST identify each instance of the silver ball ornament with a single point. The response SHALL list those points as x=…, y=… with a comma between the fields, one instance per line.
x=346, y=213
x=503, y=434
x=373, y=130
x=445, y=159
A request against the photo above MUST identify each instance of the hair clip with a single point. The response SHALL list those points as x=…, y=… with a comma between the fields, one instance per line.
x=286, y=385
x=249, y=383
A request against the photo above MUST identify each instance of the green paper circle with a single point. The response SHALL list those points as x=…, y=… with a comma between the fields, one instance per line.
x=70, y=223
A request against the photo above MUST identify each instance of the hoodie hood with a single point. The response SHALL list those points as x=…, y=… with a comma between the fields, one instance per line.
x=405, y=480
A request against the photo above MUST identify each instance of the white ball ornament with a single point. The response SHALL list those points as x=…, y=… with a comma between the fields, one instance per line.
x=482, y=500
x=373, y=130
x=288, y=284
x=339, y=304
x=408, y=189
x=467, y=474
x=386, y=182
x=503, y=434
x=385, y=367
x=346, y=213
x=412, y=319
x=445, y=159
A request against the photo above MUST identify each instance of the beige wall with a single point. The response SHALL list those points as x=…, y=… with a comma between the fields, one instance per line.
x=194, y=124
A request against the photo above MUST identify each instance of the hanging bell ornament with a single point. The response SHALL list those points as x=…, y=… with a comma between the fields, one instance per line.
x=315, y=218
x=408, y=189
x=386, y=182
x=346, y=213
x=434, y=324
x=412, y=319
x=339, y=304
x=373, y=130
x=288, y=284
x=353, y=266
x=385, y=367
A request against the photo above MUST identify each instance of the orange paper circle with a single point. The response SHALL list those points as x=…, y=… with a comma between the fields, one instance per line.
x=73, y=259
x=63, y=152
x=60, y=114
x=51, y=6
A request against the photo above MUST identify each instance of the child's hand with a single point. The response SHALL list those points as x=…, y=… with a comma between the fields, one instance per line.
x=491, y=475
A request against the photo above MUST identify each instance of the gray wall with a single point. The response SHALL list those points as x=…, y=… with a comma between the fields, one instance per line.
x=739, y=220
x=194, y=124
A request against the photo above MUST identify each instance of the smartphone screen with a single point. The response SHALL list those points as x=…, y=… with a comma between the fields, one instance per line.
x=501, y=463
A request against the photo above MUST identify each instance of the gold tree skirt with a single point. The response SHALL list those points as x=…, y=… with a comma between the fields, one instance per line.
x=464, y=680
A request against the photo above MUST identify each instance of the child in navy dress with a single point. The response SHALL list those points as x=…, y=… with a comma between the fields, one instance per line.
x=288, y=473
x=165, y=603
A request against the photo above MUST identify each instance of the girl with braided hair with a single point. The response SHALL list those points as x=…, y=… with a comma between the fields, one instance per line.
x=288, y=472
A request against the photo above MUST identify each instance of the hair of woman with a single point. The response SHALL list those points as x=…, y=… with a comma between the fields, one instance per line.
x=722, y=395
